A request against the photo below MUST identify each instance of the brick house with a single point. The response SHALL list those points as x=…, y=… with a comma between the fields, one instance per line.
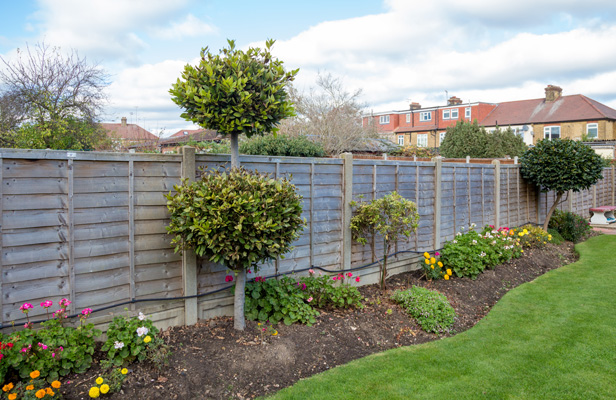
x=550, y=117
x=181, y=137
x=125, y=135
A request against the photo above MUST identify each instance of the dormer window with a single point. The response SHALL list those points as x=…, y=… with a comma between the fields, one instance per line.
x=185, y=132
x=384, y=119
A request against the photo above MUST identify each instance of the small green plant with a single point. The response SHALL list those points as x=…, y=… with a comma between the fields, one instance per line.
x=570, y=226
x=131, y=338
x=430, y=309
x=281, y=145
x=534, y=237
x=556, y=238
x=434, y=268
x=34, y=388
x=266, y=329
x=390, y=217
x=109, y=382
x=327, y=292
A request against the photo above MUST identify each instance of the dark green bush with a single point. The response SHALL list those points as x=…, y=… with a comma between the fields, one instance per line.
x=570, y=226
x=503, y=142
x=430, y=309
x=280, y=145
x=556, y=237
x=470, y=139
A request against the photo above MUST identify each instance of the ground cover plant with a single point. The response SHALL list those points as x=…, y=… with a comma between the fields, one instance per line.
x=552, y=339
x=430, y=309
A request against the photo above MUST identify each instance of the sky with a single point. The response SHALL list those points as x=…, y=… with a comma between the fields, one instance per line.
x=395, y=51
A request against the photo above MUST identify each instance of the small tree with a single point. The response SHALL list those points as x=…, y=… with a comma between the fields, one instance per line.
x=391, y=217
x=235, y=93
x=560, y=166
x=237, y=218
x=503, y=143
x=465, y=139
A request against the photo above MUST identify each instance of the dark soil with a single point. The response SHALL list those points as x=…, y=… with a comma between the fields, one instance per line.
x=213, y=361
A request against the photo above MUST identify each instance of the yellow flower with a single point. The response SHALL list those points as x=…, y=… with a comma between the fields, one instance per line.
x=40, y=394
x=432, y=266
x=521, y=234
x=12, y=396
x=440, y=264
x=99, y=380
x=55, y=384
x=35, y=374
x=7, y=387
x=446, y=277
x=448, y=271
x=427, y=261
x=147, y=339
x=259, y=324
x=426, y=255
x=275, y=333
x=433, y=260
x=30, y=387
x=104, y=388
x=124, y=371
x=94, y=392
x=544, y=243
x=525, y=231
x=522, y=251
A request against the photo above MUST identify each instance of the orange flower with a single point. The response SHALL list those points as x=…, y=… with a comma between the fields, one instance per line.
x=49, y=391
x=40, y=394
x=55, y=384
x=12, y=396
x=7, y=387
x=35, y=374
x=30, y=387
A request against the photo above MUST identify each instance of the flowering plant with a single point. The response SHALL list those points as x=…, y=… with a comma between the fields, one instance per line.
x=434, y=268
x=35, y=388
x=109, y=382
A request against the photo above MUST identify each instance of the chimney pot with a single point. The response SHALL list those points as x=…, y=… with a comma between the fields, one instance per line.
x=552, y=93
x=123, y=121
x=454, y=101
x=415, y=106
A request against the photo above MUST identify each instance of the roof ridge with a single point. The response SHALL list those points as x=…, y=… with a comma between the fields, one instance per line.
x=587, y=100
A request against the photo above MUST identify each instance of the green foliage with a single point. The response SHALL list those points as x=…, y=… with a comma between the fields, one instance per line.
x=504, y=142
x=210, y=147
x=430, y=309
x=465, y=139
x=561, y=165
x=326, y=294
x=412, y=150
x=278, y=300
x=470, y=253
x=69, y=133
x=130, y=339
x=237, y=218
x=556, y=237
x=391, y=217
x=470, y=139
x=570, y=226
x=235, y=91
x=280, y=145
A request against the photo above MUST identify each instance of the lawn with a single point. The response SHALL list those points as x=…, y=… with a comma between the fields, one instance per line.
x=553, y=338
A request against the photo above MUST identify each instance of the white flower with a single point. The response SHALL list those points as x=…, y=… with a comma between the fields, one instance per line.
x=459, y=234
x=482, y=254
x=473, y=225
x=142, y=331
x=118, y=345
x=454, y=241
x=493, y=241
x=474, y=241
x=141, y=316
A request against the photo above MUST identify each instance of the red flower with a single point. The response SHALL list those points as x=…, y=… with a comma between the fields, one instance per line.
x=228, y=278
x=357, y=279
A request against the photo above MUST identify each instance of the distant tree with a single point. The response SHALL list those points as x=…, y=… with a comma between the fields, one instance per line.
x=282, y=145
x=51, y=93
x=560, y=166
x=330, y=115
x=236, y=92
x=503, y=143
x=465, y=139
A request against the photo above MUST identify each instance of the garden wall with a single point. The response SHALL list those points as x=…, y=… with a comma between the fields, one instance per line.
x=91, y=226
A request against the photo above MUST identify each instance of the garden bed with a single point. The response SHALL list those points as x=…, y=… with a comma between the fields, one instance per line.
x=213, y=361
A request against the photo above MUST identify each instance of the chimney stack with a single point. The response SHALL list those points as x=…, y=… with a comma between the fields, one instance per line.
x=123, y=121
x=415, y=106
x=552, y=93
x=454, y=101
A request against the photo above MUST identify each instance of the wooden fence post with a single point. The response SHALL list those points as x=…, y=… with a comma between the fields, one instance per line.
x=438, y=177
x=189, y=258
x=497, y=186
x=347, y=196
x=613, y=186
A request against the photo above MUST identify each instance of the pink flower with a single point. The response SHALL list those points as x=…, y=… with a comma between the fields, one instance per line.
x=259, y=279
x=86, y=311
x=311, y=271
x=228, y=278
x=249, y=271
x=24, y=350
x=357, y=279
x=25, y=307
x=436, y=253
x=65, y=302
x=53, y=354
x=309, y=299
x=349, y=274
x=47, y=303
x=335, y=278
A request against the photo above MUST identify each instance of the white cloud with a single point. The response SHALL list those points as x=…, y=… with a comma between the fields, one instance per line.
x=191, y=26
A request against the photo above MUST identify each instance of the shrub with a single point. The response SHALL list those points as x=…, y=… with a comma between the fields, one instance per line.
x=210, y=147
x=412, y=150
x=327, y=295
x=504, y=142
x=430, y=309
x=465, y=139
x=534, y=237
x=130, y=339
x=280, y=145
x=556, y=237
x=570, y=226
x=390, y=217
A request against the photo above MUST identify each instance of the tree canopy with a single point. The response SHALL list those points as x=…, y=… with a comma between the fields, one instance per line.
x=470, y=139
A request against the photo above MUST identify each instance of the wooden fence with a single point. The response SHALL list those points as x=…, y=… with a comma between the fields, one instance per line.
x=91, y=226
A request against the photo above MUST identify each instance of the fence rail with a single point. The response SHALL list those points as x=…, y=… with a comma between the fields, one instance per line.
x=91, y=226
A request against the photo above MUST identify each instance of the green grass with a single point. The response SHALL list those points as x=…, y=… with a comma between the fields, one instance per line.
x=553, y=338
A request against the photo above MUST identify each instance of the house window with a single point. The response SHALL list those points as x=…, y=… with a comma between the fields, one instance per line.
x=401, y=140
x=467, y=113
x=422, y=140
x=408, y=118
x=454, y=113
x=446, y=114
x=551, y=132
x=441, y=137
x=384, y=119
x=425, y=116
x=592, y=131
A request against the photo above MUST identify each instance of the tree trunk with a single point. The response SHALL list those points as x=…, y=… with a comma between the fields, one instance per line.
x=235, y=150
x=239, y=322
x=384, y=266
x=559, y=195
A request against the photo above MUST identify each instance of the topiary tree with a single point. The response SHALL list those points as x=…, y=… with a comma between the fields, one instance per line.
x=237, y=218
x=391, y=217
x=235, y=92
x=465, y=139
x=560, y=166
